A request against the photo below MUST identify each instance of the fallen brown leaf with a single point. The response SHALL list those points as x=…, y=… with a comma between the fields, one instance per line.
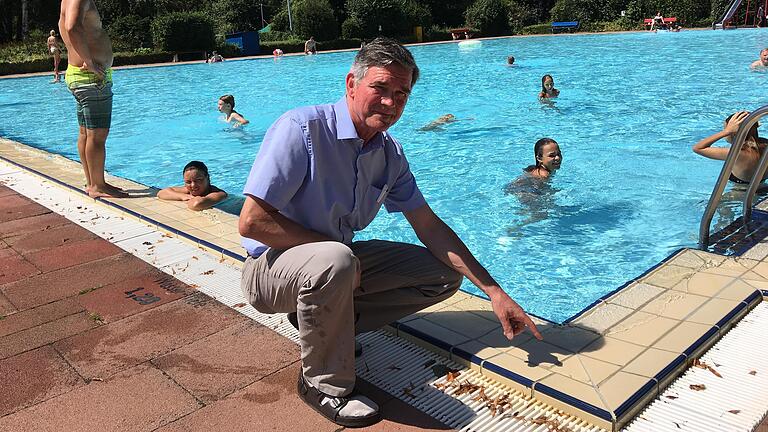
x=239, y=305
x=753, y=372
x=207, y=272
x=698, y=387
x=734, y=411
x=700, y=364
x=672, y=397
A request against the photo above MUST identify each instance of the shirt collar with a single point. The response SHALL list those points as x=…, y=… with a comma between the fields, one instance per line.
x=345, y=129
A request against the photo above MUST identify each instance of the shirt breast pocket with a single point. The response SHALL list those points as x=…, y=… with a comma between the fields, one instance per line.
x=371, y=202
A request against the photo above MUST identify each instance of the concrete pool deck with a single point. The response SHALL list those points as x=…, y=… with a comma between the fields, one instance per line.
x=602, y=365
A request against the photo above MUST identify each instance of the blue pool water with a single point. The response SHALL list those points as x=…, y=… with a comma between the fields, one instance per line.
x=629, y=193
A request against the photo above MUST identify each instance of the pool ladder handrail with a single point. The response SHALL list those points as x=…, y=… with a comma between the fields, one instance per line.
x=725, y=173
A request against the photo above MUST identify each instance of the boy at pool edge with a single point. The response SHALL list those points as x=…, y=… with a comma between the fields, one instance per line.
x=197, y=191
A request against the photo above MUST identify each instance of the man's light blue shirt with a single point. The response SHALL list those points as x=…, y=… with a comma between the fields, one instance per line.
x=316, y=170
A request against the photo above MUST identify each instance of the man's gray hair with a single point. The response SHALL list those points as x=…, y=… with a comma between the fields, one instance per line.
x=382, y=52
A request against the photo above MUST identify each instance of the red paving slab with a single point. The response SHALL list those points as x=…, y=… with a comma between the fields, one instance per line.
x=49, y=287
x=33, y=377
x=71, y=253
x=14, y=267
x=270, y=404
x=50, y=238
x=229, y=360
x=138, y=338
x=6, y=307
x=13, y=201
x=27, y=225
x=25, y=211
x=125, y=298
x=45, y=334
x=40, y=315
x=139, y=399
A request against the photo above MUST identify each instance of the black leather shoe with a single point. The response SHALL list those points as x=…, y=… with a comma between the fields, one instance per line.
x=330, y=407
x=294, y=320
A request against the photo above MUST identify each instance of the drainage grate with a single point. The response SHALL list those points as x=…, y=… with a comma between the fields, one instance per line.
x=733, y=402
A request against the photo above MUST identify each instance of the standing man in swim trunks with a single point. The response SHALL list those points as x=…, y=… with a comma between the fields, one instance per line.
x=53, y=48
x=89, y=78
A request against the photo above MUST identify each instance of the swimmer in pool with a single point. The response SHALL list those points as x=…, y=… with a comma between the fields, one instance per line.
x=548, y=159
x=439, y=122
x=548, y=90
x=762, y=62
x=197, y=191
x=749, y=156
x=226, y=105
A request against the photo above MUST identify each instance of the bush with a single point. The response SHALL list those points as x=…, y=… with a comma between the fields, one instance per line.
x=489, y=17
x=183, y=31
x=352, y=28
x=437, y=33
x=536, y=29
x=130, y=32
x=395, y=17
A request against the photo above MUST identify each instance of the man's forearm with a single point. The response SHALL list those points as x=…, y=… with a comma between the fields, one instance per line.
x=277, y=231
x=444, y=244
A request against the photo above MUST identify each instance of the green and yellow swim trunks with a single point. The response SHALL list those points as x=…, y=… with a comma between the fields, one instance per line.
x=93, y=97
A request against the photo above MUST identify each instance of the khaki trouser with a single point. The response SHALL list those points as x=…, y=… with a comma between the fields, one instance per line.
x=319, y=281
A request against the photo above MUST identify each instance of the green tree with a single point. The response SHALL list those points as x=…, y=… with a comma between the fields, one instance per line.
x=310, y=18
x=489, y=17
x=394, y=17
x=130, y=32
x=447, y=13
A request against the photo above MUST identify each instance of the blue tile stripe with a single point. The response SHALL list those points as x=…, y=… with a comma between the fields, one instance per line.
x=508, y=374
x=714, y=330
x=635, y=398
x=626, y=284
x=574, y=402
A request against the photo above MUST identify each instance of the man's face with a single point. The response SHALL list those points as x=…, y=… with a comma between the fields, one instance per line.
x=764, y=57
x=376, y=102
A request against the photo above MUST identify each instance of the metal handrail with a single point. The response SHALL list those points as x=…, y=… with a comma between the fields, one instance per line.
x=725, y=173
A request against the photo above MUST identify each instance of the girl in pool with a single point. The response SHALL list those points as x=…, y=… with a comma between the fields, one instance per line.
x=197, y=191
x=548, y=90
x=548, y=159
x=227, y=106
x=749, y=156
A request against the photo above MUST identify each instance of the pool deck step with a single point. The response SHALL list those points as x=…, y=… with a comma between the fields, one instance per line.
x=602, y=365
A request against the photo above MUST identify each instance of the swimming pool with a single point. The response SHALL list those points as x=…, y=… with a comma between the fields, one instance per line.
x=629, y=193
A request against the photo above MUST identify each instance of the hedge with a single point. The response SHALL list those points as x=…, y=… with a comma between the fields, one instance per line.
x=46, y=65
x=297, y=45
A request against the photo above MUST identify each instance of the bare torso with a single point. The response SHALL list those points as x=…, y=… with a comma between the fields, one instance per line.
x=86, y=38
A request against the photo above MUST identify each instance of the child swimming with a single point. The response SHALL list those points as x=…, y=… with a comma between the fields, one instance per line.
x=749, y=156
x=548, y=159
x=548, y=90
x=197, y=191
x=227, y=106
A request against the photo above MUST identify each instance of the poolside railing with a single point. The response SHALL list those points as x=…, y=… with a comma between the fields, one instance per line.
x=725, y=173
